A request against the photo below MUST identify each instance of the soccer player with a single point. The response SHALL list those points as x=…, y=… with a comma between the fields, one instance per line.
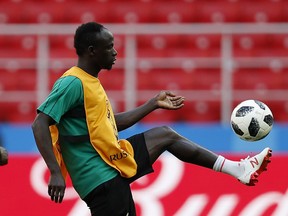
x=76, y=132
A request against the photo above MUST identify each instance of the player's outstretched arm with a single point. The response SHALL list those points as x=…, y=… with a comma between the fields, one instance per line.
x=164, y=100
x=56, y=185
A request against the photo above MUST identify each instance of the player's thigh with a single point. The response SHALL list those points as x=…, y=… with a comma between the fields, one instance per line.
x=113, y=197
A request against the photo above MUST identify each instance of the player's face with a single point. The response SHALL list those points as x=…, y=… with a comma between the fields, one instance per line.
x=105, y=52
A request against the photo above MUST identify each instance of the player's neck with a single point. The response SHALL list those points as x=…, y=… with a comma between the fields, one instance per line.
x=88, y=68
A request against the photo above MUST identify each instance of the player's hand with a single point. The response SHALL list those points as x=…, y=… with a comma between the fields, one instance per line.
x=56, y=187
x=3, y=156
x=168, y=100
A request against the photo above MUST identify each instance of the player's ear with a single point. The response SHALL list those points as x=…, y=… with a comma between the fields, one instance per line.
x=91, y=50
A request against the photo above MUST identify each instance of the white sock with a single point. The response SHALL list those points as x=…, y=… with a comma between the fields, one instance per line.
x=229, y=167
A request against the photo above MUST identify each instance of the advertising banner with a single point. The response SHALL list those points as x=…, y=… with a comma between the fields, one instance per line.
x=175, y=188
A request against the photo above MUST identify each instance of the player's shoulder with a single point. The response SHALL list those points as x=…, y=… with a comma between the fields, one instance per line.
x=68, y=82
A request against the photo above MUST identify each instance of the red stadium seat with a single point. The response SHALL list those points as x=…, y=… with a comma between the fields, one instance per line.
x=164, y=116
x=279, y=41
x=206, y=79
x=251, y=41
x=62, y=46
x=10, y=12
x=257, y=79
x=174, y=12
x=18, y=46
x=142, y=11
x=20, y=112
x=128, y=12
x=62, y=53
x=160, y=79
x=198, y=79
x=260, y=45
x=283, y=77
x=20, y=79
x=262, y=11
x=61, y=41
x=38, y=12
x=201, y=111
x=217, y=11
x=90, y=11
x=285, y=10
x=163, y=42
x=112, y=80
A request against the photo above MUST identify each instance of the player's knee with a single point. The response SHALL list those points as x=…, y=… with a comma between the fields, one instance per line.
x=169, y=133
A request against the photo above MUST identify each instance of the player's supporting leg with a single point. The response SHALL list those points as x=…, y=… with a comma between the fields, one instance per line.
x=164, y=138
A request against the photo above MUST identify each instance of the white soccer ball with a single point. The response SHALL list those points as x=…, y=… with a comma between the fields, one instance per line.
x=252, y=120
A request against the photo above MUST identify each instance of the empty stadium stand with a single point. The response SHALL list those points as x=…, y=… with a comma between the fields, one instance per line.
x=259, y=59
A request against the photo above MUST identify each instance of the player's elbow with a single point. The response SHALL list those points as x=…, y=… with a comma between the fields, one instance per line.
x=40, y=121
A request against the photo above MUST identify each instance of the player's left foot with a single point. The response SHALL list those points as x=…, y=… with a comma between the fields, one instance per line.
x=254, y=166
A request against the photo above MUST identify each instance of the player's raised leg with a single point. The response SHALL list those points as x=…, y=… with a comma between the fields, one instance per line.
x=164, y=138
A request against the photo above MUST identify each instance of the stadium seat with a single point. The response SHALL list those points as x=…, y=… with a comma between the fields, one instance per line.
x=251, y=41
x=17, y=112
x=5, y=109
x=271, y=77
x=62, y=46
x=141, y=11
x=276, y=45
x=20, y=79
x=35, y=12
x=160, y=79
x=174, y=79
x=163, y=116
x=283, y=77
x=206, y=79
x=257, y=79
x=217, y=11
x=174, y=12
x=18, y=46
x=10, y=12
x=261, y=11
x=201, y=111
x=61, y=41
x=112, y=80
x=8, y=80
x=285, y=10
x=62, y=53
x=260, y=45
x=159, y=42
x=128, y=12
x=178, y=41
x=90, y=11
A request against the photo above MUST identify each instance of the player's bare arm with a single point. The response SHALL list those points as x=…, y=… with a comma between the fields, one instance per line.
x=164, y=100
x=56, y=185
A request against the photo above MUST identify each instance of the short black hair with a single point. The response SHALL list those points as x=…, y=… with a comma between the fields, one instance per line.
x=85, y=36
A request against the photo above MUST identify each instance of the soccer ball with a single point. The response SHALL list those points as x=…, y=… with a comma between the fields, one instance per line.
x=252, y=120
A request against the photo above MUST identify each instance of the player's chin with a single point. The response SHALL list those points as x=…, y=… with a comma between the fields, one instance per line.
x=109, y=67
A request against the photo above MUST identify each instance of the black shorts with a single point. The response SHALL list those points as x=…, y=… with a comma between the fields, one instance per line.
x=114, y=197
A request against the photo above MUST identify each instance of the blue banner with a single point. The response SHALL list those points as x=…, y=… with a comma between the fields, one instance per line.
x=219, y=138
